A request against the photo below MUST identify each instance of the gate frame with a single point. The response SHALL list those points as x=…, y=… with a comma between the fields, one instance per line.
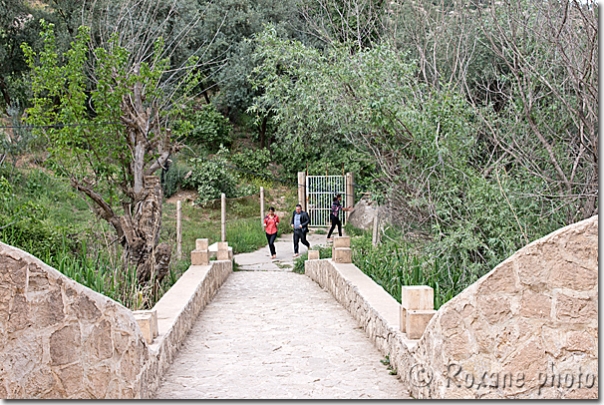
x=348, y=195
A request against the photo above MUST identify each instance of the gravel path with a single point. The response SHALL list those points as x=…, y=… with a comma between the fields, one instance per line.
x=276, y=334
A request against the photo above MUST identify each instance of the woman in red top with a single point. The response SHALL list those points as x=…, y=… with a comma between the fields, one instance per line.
x=271, y=224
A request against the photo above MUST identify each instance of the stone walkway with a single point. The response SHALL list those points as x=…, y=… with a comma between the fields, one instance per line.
x=260, y=259
x=277, y=334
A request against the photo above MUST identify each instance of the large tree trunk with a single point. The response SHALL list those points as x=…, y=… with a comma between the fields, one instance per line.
x=138, y=229
x=141, y=224
x=263, y=131
x=4, y=90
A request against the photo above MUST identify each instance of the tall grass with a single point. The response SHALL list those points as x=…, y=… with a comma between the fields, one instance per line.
x=244, y=231
x=41, y=214
x=324, y=253
x=394, y=264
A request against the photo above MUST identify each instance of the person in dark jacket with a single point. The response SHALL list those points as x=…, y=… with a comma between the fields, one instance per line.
x=334, y=215
x=299, y=223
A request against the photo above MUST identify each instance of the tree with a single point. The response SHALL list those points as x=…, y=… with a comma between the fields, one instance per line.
x=549, y=51
x=232, y=23
x=330, y=22
x=106, y=112
x=15, y=24
x=424, y=140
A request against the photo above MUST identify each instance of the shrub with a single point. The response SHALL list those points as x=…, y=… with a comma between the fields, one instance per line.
x=211, y=177
x=174, y=178
x=324, y=253
x=253, y=163
x=207, y=127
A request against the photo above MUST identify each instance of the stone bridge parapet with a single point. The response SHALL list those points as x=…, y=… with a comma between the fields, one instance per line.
x=59, y=339
x=527, y=329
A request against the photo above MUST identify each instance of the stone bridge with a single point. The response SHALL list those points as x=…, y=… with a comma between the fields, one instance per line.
x=527, y=329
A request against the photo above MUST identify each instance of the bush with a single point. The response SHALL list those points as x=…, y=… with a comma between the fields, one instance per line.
x=324, y=253
x=246, y=189
x=206, y=127
x=26, y=223
x=211, y=178
x=253, y=163
x=174, y=178
x=394, y=263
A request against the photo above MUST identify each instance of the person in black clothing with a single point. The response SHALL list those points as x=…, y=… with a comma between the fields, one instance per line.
x=299, y=223
x=334, y=215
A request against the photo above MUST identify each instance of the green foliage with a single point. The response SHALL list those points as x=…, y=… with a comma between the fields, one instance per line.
x=174, y=178
x=253, y=163
x=95, y=142
x=211, y=178
x=324, y=253
x=357, y=23
x=43, y=216
x=246, y=235
x=424, y=143
x=26, y=218
x=14, y=141
x=213, y=175
x=395, y=263
x=230, y=23
x=206, y=127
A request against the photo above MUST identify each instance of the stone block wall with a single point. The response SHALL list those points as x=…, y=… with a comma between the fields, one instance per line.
x=376, y=311
x=527, y=329
x=533, y=321
x=59, y=339
x=177, y=311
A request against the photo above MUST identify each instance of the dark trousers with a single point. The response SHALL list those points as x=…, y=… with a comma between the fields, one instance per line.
x=300, y=235
x=335, y=221
x=271, y=243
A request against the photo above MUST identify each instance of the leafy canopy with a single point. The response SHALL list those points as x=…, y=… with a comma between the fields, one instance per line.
x=80, y=102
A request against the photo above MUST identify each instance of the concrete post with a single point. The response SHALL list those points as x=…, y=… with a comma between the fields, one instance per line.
x=147, y=322
x=417, y=308
x=340, y=251
x=261, y=205
x=178, y=230
x=302, y=190
x=200, y=256
x=376, y=235
x=349, y=192
x=223, y=217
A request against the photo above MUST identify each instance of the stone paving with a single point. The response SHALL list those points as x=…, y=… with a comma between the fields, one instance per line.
x=260, y=259
x=277, y=334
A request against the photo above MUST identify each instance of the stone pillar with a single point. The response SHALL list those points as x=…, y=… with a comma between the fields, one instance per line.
x=200, y=256
x=178, y=230
x=261, y=205
x=417, y=308
x=349, y=192
x=147, y=322
x=340, y=251
x=313, y=255
x=223, y=217
x=302, y=190
x=223, y=251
